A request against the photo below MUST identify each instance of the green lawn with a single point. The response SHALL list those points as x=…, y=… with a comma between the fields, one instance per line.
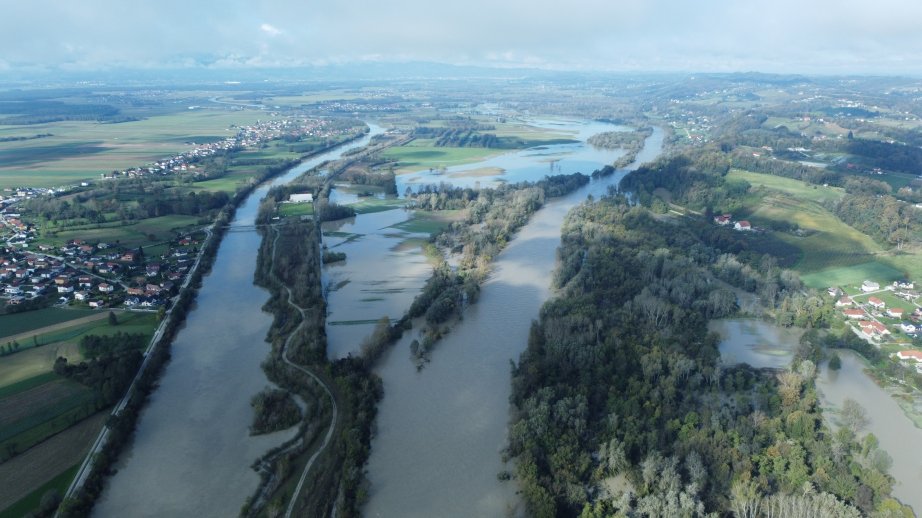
x=136, y=234
x=429, y=222
x=417, y=157
x=370, y=205
x=21, y=322
x=296, y=209
x=833, y=253
x=852, y=275
x=129, y=323
x=31, y=501
x=827, y=242
x=796, y=188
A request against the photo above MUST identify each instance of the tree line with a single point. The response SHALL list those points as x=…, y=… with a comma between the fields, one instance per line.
x=623, y=407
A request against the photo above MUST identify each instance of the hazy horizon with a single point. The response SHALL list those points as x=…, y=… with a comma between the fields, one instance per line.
x=851, y=37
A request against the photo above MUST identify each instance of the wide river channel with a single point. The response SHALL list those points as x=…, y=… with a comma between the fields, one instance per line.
x=192, y=451
x=440, y=431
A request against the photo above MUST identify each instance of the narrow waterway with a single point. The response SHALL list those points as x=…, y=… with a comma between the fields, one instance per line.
x=192, y=451
x=441, y=430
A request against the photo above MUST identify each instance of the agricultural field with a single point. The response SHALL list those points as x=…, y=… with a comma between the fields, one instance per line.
x=420, y=155
x=296, y=209
x=795, y=188
x=33, y=361
x=17, y=323
x=79, y=150
x=50, y=465
x=370, y=205
x=832, y=253
x=430, y=222
x=47, y=422
x=142, y=233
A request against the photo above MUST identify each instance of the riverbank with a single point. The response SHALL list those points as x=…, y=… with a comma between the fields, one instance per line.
x=441, y=431
x=122, y=427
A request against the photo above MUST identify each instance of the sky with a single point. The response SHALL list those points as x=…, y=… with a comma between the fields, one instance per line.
x=799, y=36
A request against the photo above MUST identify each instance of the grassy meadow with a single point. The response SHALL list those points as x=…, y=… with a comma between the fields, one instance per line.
x=832, y=253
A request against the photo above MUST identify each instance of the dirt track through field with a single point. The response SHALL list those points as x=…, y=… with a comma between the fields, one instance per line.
x=26, y=472
x=55, y=327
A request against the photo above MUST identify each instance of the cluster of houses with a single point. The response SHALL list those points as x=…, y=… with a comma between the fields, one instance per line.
x=727, y=219
x=246, y=137
x=867, y=315
x=96, y=275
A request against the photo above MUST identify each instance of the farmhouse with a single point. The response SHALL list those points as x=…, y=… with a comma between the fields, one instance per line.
x=301, y=198
x=722, y=220
x=895, y=312
x=854, y=313
x=844, y=302
x=742, y=225
x=869, y=286
x=872, y=329
x=876, y=302
x=910, y=355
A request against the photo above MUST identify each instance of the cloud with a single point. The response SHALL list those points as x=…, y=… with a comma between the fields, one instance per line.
x=720, y=35
x=270, y=30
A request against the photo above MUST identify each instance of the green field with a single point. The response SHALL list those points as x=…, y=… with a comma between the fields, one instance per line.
x=35, y=361
x=296, y=209
x=795, y=188
x=370, y=205
x=418, y=156
x=84, y=149
x=31, y=501
x=833, y=253
x=21, y=322
x=142, y=233
x=50, y=411
x=429, y=222
x=852, y=275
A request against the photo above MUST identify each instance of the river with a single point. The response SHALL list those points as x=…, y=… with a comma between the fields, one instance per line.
x=887, y=422
x=440, y=431
x=192, y=451
x=761, y=344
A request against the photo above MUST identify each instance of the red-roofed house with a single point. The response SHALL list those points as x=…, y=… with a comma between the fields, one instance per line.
x=854, y=313
x=742, y=225
x=895, y=312
x=844, y=301
x=910, y=355
x=873, y=329
x=876, y=302
x=722, y=220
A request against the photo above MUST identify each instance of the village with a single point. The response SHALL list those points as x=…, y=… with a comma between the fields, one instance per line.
x=889, y=317
x=95, y=275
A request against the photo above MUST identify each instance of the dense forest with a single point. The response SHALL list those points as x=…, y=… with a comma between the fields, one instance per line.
x=624, y=409
x=884, y=218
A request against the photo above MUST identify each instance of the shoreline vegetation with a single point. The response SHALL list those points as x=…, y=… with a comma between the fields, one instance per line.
x=121, y=426
x=671, y=430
